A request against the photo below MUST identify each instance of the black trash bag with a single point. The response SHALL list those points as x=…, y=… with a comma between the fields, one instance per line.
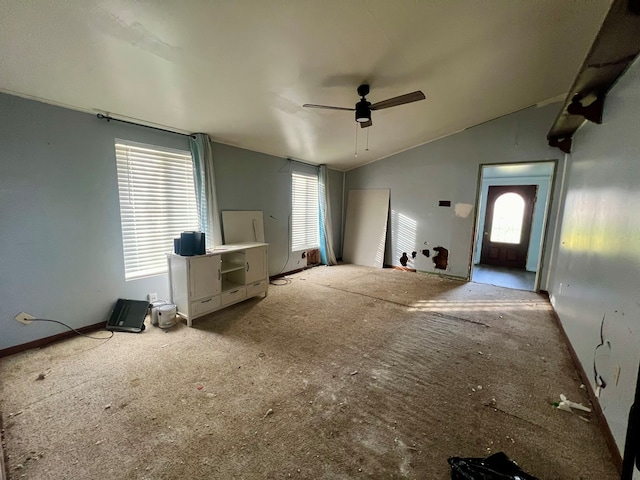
x=495, y=467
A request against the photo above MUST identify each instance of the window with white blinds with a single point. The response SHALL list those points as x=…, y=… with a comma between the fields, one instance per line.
x=304, y=215
x=157, y=202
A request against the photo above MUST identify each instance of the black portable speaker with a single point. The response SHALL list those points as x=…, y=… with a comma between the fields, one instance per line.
x=189, y=244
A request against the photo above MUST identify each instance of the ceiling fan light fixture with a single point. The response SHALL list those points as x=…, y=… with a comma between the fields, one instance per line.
x=363, y=108
x=363, y=113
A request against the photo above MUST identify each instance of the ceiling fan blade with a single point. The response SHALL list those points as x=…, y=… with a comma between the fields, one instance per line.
x=401, y=100
x=366, y=124
x=328, y=107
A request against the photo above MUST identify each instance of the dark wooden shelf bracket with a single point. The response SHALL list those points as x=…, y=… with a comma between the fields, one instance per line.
x=563, y=144
x=615, y=47
x=592, y=112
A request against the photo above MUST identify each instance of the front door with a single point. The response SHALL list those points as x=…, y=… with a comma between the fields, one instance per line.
x=507, y=225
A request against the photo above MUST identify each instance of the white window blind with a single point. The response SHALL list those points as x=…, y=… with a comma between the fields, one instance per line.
x=304, y=215
x=157, y=202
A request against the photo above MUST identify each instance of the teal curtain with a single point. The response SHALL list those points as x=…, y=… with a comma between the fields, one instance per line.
x=327, y=256
x=205, y=183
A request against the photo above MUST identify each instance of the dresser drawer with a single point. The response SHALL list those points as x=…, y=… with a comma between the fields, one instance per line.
x=256, y=288
x=232, y=296
x=206, y=305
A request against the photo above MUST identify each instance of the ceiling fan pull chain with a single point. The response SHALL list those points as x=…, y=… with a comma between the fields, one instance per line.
x=356, y=154
x=367, y=149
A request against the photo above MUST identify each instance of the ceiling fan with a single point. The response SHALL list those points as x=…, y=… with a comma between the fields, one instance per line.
x=363, y=108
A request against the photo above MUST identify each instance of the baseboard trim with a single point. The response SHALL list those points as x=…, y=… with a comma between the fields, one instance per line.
x=42, y=342
x=403, y=269
x=602, y=421
x=291, y=272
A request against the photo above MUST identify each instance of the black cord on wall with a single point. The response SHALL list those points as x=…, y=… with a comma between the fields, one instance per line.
x=288, y=246
x=71, y=328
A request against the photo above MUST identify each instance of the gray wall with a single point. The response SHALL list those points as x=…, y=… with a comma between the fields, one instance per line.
x=60, y=236
x=336, y=179
x=448, y=169
x=249, y=180
x=597, y=268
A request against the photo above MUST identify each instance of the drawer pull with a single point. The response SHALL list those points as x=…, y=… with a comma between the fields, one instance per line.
x=205, y=301
x=256, y=284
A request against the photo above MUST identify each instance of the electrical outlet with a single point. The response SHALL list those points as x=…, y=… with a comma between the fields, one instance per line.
x=152, y=297
x=24, y=318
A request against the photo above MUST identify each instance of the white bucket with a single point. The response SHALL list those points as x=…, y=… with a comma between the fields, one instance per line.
x=155, y=306
x=166, y=316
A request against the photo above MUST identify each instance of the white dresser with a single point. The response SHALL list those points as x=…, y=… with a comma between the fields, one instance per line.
x=228, y=274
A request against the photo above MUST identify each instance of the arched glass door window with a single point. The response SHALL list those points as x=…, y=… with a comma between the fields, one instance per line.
x=508, y=213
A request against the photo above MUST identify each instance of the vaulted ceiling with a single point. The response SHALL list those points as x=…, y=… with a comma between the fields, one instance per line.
x=241, y=70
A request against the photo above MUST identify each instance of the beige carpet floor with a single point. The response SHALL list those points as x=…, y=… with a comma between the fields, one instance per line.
x=344, y=372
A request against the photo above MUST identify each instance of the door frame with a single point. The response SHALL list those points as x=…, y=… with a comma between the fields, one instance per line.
x=476, y=244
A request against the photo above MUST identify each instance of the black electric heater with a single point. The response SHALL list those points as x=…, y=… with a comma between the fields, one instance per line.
x=128, y=316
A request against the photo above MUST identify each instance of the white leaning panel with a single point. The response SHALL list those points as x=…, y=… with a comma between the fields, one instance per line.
x=365, y=231
x=241, y=226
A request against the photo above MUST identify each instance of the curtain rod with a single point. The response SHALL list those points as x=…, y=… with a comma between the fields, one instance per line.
x=108, y=119
x=304, y=163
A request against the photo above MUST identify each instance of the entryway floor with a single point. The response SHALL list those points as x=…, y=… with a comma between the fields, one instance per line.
x=504, y=277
